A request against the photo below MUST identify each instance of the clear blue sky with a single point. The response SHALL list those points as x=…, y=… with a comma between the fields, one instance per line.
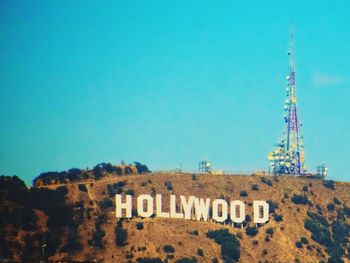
x=167, y=82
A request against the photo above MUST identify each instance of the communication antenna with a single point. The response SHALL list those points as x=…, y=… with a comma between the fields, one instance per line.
x=205, y=166
x=288, y=157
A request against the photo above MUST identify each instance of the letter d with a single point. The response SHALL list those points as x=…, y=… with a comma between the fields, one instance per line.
x=258, y=217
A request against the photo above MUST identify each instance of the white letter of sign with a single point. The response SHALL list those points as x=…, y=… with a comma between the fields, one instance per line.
x=187, y=206
x=257, y=215
x=201, y=208
x=159, y=211
x=173, y=212
x=223, y=205
x=149, y=204
x=233, y=211
x=119, y=206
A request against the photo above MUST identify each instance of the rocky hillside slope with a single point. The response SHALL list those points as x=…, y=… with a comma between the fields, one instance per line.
x=309, y=221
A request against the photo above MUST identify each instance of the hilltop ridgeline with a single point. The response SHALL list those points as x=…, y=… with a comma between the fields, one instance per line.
x=99, y=171
x=309, y=220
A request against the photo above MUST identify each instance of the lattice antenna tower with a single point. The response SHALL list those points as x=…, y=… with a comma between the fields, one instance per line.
x=288, y=157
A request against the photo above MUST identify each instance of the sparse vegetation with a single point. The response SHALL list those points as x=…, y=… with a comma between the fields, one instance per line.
x=330, y=207
x=243, y=193
x=304, y=240
x=168, y=249
x=255, y=187
x=187, y=260
x=333, y=237
x=336, y=201
x=266, y=181
x=130, y=192
x=251, y=231
x=149, y=260
x=99, y=233
x=272, y=206
x=71, y=221
x=277, y=218
x=230, y=246
x=168, y=185
x=330, y=184
x=269, y=231
x=300, y=200
x=298, y=244
x=139, y=225
x=82, y=187
x=121, y=235
x=141, y=168
x=106, y=203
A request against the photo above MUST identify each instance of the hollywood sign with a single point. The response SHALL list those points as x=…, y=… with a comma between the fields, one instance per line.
x=191, y=208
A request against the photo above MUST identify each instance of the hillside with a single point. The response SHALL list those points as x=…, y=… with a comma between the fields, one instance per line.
x=309, y=220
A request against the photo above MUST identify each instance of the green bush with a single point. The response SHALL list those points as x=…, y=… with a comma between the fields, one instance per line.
x=130, y=192
x=230, y=245
x=82, y=187
x=304, y=240
x=186, y=260
x=319, y=233
x=149, y=260
x=269, y=231
x=300, y=200
x=141, y=168
x=121, y=235
x=272, y=206
x=298, y=244
x=168, y=185
x=168, y=249
x=336, y=201
x=116, y=188
x=200, y=252
x=243, y=194
x=106, y=203
x=255, y=187
x=97, y=236
x=278, y=218
x=139, y=225
x=251, y=231
x=266, y=181
x=318, y=218
x=330, y=184
x=330, y=207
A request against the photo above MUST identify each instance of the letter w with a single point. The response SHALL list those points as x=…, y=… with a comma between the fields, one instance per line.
x=201, y=208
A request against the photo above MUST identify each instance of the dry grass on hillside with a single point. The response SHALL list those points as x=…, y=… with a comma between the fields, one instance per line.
x=179, y=233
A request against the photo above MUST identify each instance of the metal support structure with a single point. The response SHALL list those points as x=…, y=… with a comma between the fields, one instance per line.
x=204, y=167
x=288, y=156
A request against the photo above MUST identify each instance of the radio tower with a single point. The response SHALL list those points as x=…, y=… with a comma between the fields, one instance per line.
x=288, y=157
